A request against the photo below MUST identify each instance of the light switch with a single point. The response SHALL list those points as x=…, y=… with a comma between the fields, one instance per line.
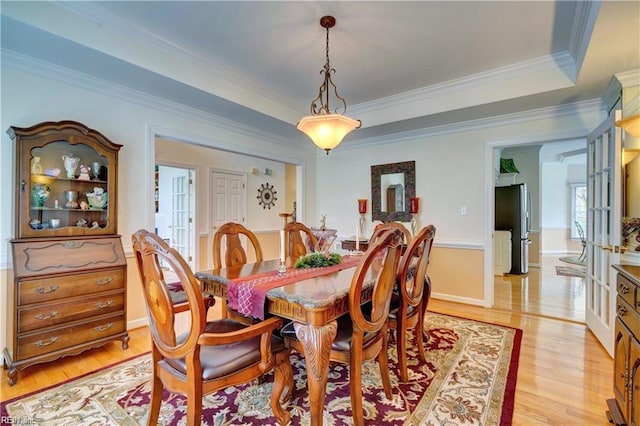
x=463, y=210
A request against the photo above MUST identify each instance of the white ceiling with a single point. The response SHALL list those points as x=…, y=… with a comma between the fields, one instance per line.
x=401, y=66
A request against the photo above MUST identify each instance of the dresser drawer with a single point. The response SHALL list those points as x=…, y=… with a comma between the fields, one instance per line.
x=41, y=258
x=51, y=314
x=626, y=290
x=63, y=337
x=628, y=315
x=62, y=286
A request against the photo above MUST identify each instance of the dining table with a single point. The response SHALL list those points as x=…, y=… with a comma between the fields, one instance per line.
x=313, y=299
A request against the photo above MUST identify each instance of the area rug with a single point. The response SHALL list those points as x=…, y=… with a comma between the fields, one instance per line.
x=569, y=271
x=469, y=379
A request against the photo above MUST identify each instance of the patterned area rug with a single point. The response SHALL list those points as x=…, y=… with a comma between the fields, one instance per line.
x=469, y=379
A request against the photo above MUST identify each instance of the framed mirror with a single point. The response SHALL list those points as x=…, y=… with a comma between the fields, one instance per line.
x=391, y=187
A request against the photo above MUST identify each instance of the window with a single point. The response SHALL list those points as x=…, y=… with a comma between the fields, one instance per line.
x=578, y=208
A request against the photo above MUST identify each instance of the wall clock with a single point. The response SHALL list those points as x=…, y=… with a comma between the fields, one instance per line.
x=267, y=196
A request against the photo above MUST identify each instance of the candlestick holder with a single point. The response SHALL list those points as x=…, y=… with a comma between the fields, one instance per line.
x=282, y=269
x=362, y=209
x=414, y=204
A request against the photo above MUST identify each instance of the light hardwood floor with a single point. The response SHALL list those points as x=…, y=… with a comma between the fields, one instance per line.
x=564, y=375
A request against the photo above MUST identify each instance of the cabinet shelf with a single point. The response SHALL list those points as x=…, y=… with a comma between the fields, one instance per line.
x=53, y=209
x=55, y=178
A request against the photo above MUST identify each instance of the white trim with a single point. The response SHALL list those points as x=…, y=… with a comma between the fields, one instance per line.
x=458, y=299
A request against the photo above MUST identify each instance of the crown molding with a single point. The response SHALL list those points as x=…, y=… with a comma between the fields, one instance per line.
x=579, y=108
x=98, y=28
x=529, y=77
x=54, y=72
x=584, y=21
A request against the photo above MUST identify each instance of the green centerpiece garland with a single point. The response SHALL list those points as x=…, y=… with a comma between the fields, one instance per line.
x=318, y=260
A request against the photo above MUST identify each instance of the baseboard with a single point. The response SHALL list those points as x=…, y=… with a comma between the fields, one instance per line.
x=458, y=299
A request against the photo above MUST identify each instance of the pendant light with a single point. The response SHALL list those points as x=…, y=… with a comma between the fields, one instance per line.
x=325, y=128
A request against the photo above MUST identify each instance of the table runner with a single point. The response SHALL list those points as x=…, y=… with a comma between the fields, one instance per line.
x=247, y=295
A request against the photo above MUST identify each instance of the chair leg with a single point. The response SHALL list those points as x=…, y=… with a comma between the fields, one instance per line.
x=194, y=406
x=156, y=400
x=401, y=343
x=419, y=332
x=156, y=391
x=355, y=379
x=383, y=360
x=283, y=380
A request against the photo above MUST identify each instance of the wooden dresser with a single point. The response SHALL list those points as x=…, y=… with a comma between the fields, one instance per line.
x=623, y=409
x=69, y=287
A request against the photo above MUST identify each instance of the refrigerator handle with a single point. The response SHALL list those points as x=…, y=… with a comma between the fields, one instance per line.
x=528, y=211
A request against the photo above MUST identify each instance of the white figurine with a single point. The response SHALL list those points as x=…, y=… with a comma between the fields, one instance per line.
x=84, y=172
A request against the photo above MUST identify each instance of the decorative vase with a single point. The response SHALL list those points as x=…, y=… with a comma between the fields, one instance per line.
x=36, y=168
x=71, y=163
x=40, y=193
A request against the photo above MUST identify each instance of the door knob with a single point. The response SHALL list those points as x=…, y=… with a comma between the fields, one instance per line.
x=607, y=248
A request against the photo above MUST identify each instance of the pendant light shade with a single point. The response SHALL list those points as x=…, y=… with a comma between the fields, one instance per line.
x=325, y=128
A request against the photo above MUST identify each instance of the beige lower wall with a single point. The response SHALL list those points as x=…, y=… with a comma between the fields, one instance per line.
x=534, y=249
x=457, y=274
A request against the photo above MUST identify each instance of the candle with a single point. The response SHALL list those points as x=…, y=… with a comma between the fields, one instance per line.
x=282, y=255
x=358, y=237
x=414, y=203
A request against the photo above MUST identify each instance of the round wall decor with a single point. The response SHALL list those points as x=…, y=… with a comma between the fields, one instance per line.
x=267, y=196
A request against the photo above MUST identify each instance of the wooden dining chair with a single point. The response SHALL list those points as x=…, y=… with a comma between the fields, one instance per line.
x=176, y=289
x=295, y=235
x=382, y=227
x=409, y=305
x=363, y=333
x=210, y=355
x=235, y=254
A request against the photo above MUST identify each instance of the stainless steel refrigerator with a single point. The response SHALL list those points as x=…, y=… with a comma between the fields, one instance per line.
x=512, y=214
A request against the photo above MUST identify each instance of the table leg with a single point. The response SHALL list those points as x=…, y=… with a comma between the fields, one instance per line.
x=316, y=342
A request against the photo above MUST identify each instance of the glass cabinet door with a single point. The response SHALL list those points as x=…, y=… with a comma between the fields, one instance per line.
x=66, y=184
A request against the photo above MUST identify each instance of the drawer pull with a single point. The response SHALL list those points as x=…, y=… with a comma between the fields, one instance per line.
x=43, y=290
x=622, y=311
x=104, y=281
x=103, y=327
x=43, y=317
x=624, y=289
x=42, y=343
x=102, y=305
x=71, y=244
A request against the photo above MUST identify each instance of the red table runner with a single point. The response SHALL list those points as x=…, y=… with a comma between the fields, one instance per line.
x=247, y=295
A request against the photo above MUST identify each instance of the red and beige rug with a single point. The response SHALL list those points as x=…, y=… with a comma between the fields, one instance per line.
x=469, y=379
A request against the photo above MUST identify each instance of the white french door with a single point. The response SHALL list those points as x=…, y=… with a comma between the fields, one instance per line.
x=603, y=229
x=175, y=218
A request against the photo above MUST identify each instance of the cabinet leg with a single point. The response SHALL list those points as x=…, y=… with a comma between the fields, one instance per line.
x=125, y=341
x=12, y=374
x=614, y=415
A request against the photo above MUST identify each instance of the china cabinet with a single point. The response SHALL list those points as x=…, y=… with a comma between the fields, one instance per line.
x=69, y=287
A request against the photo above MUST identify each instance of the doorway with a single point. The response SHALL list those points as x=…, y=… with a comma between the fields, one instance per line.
x=175, y=209
x=551, y=288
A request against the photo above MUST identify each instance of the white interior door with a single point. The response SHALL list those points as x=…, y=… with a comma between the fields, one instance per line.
x=603, y=233
x=228, y=195
x=175, y=219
